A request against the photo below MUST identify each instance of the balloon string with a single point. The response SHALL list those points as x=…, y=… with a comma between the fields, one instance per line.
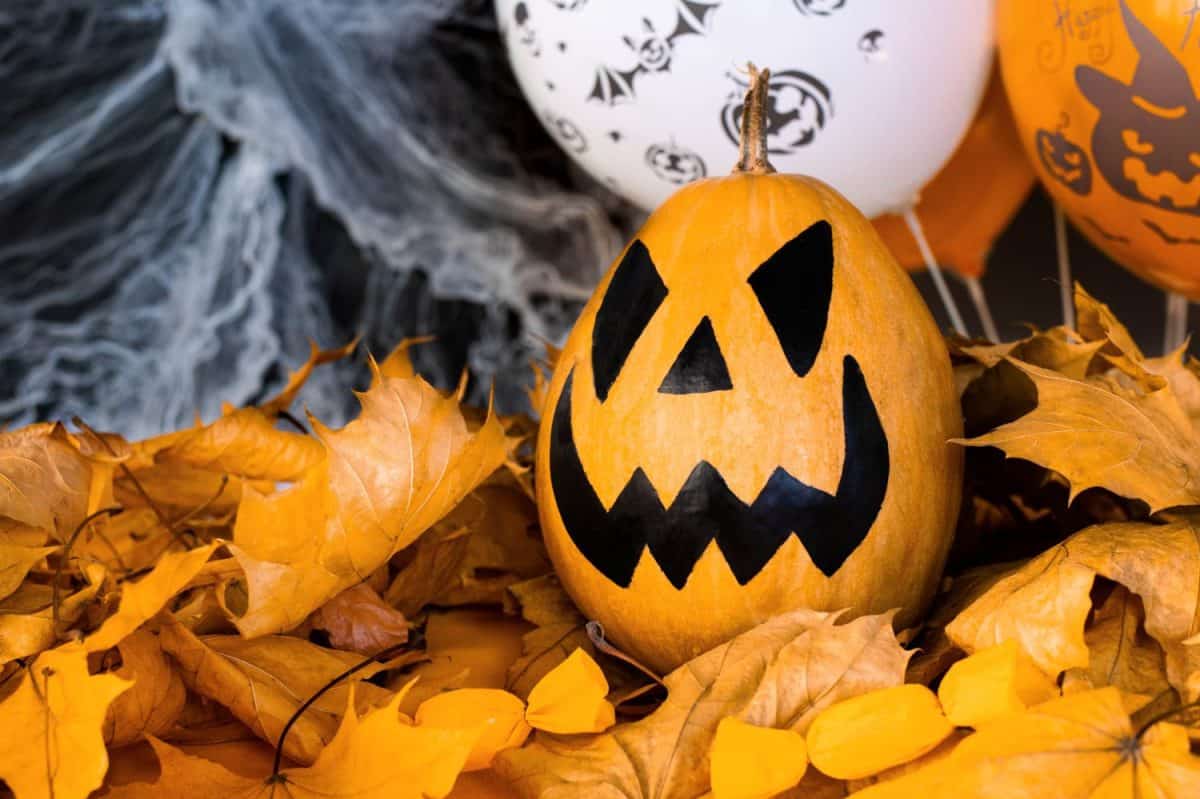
x=918, y=233
x=982, y=309
x=1066, y=287
x=1177, y=322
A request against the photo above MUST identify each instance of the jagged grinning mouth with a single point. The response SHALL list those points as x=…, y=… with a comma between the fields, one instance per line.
x=1164, y=188
x=830, y=527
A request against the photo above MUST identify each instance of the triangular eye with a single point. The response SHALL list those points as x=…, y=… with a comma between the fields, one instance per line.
x=794, y=287
x=700, y=367
x=633, y=296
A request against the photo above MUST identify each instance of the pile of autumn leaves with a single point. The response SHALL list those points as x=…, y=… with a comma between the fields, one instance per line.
x=248, y=608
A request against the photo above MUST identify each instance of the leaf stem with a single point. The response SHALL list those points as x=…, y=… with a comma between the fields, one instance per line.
x=379, y=657
x=66, y=556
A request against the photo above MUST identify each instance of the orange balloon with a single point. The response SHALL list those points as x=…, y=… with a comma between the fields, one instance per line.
x=971, y=201
x=1105, y=94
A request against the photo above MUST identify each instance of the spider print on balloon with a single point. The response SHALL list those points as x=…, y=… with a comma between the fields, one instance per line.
x=675, y=164
x=523, y=25
x=652, y=51
x=1147, y=141
x=798, y=108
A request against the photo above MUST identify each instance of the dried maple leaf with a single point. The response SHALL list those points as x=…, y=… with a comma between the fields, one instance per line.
x=45, y=481
x=1097, y=432
x=1043, y=604
x=156, y=697
x=245, y=443
x=780, y=675
x=386, y=478
x=142, y=599
x=1058, y=349
x=560, y=630
x=1077, y=747
x=1121, y=652
x=264, y=681
x=27, y=623
x=359, y=620
x=51, y=742
x=15, y=563
x=296, y=380
x=376, y=757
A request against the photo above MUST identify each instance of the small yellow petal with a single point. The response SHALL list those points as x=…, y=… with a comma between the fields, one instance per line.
x=571, y=698
x=991, y=683
x=869, y=733
x=499, y=713
x=751, y=762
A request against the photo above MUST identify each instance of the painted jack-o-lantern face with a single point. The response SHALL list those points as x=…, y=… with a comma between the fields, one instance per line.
x=793, y=288
x=751, y=415
x=1065, y=161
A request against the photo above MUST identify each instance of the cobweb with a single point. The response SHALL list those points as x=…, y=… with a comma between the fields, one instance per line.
x=192, y=190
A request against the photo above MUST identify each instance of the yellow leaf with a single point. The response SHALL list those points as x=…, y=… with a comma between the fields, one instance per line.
x=375, y=757
x=45, y=481
x=560, y=630
x=466, y=648
x=1058, y=349
x=245, y=443
x=386, y=477
x=571, y=698
x=155, y=700
x=264, y=681
x=51, y=742
x=398, y=363
x=499, y=714
x=27, y=615
x=1095, y=322
x=779, y=674
x=1076, y=747
x=15, y=563
x=750, y=762
x=296, y=380
x=1100, y=432
x=1121, y=652
x=866, y=734
x=991, y=683
x=143, y=599
x=359, y=620
x=1043, y=604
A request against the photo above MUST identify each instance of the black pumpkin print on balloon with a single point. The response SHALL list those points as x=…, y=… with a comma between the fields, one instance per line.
x=799, y=106
x=830, y=526
x=675, y=164
x=565, y=132
x=1064, y=160
x=1147, y=141
x=568, y=5
x=821, y=8
x=652, y=51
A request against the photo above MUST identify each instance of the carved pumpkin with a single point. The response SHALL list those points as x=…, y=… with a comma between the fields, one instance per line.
x=752, y=414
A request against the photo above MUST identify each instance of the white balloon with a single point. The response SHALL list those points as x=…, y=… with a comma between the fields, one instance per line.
x=871, y=96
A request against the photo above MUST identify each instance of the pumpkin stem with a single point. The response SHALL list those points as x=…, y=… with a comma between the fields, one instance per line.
x=752, y=147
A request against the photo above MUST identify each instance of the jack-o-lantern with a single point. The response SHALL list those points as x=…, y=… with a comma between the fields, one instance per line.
x=751, y=415
x=1106, y=94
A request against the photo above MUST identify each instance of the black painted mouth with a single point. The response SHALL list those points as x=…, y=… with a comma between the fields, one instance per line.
x=829, y=527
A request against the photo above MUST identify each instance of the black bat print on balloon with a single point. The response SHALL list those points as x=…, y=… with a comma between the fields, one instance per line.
x=798, y=107
x=1146, y=143
x=652, y=50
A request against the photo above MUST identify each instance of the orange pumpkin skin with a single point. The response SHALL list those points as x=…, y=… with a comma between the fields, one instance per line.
x=705, y=243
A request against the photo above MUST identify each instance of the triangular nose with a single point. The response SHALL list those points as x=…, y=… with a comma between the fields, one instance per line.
x=700, y=367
